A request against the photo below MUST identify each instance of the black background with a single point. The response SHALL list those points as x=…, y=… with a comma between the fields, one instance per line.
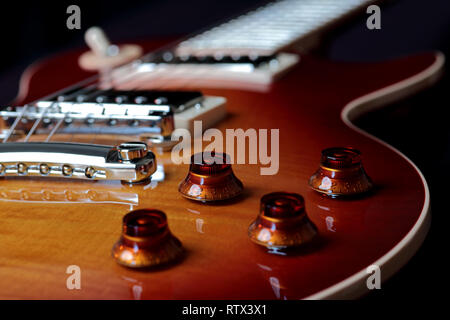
x=418, y=126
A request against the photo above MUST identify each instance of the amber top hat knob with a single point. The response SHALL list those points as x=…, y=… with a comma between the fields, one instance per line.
x=210, y=178
x=340, y=173
x=282, y=222
x=146, y=240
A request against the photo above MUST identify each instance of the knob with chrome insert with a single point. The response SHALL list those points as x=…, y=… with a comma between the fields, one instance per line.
x=340, y=173
x=282, y=222
x=146, y=240
x=210, y=178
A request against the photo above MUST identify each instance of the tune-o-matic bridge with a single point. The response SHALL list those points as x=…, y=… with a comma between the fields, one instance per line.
x=128, y=162
x=150, y=115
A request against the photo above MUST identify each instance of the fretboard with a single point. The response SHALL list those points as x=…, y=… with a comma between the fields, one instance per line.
x=270, y=28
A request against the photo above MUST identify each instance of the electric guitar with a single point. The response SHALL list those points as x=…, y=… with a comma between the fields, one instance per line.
x=81, y=151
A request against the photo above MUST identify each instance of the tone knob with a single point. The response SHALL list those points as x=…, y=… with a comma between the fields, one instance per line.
x=340, y=173
x=130, y=151
x=146, y=240
x=210, y=178
x=282, y=222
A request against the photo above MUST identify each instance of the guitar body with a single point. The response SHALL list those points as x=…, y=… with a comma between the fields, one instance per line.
x=48, y=225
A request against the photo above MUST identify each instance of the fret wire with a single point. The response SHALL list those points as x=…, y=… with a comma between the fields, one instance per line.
x=280, y=20
x=271, y=27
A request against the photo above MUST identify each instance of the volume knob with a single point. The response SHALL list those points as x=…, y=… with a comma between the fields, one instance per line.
x=210, y=178
x=146, y=240
x=282, y=222
x=340, y=173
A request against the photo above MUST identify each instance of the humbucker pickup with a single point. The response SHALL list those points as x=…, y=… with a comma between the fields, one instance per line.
x=242, y=61
x=128, y=162
x=235, y=71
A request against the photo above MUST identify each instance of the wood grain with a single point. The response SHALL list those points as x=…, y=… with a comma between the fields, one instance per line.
x=40, y=239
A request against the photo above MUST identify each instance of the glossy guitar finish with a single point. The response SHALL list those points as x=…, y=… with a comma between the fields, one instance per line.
x=40, y=238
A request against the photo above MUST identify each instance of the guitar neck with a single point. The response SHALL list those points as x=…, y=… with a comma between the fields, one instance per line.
x=270, y=28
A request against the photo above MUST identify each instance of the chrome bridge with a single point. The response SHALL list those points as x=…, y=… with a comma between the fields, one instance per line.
x=128, y=162
x=150, y=115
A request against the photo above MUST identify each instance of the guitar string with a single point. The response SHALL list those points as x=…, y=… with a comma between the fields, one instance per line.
x=37, y=122
x=25, y=107
x=55, y=128
x=15, y=123
x=10, y=132
x=108, y=80
x=159, y=82
x=94, y=78
x=82, y=89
